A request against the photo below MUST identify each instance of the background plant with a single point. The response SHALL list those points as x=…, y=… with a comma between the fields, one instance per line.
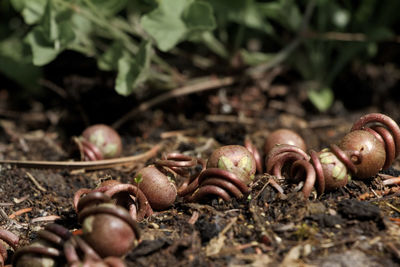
x=137, y=39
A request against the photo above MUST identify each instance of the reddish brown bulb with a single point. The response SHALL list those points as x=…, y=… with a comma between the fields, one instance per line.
x=236, y=159
x=99, y=142
x=9, y=238
x=109, y=229
x=371, y=150
x=158, y=186
x=283, y=136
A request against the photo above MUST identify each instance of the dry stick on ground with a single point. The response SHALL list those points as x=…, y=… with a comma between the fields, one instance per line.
x=346, y=36
x=87, y=165
x=35, y=182
x=3, y=215
x=206, y=83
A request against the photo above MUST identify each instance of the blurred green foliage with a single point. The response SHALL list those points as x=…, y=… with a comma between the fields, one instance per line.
x=136, y=38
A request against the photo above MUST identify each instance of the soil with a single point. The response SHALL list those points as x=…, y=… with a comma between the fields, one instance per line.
x=357, y=225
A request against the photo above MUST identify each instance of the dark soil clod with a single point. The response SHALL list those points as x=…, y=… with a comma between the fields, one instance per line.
x=355, y=209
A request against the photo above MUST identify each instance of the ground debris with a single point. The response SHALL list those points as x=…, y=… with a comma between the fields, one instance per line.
x=266, y=228
x=355, y=209
x=148, y=247
x=351, y=258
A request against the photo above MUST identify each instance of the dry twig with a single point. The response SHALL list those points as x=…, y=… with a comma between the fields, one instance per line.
x=20, y=212
x=45, y=218
x=87, y=165
x=35, y=182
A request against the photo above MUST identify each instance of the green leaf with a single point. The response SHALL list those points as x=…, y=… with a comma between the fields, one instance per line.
x=132, y=72
x=109, y=7
x=291, y=13
x=18, y=5
x=84, y=41
x=138, y=179
x=49, y=23
x=255, y=58
x=16, y=64
x=43, y=51
x=174, y=20
x=253, y=18
x=127, y=70
x=285, y=12
x=32, y=11
x=211, y=42
x=144, y=55
x=270, y=9
x=199, y=16
x=66, y=34
x=109, y=60
x=52, y=36
x=245, y=12
x=165, y=25
x=56, y=25
x=321, y=99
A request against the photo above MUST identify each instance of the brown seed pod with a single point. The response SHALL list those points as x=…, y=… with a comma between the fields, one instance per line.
x=285, y=155
x=9, y=238
x=109, y=229
x=158, y=186
x=218, y=182
x=283, y=137
x=236, y=159
x=98, y=142
x=371, y=150
x=36, y=254
x=125, y=195
x=46, y=250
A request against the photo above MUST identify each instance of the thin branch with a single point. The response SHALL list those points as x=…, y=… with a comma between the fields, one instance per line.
x=35, y=182
x=207, y=83
x=344, y=37
x=53, y=87
x=89, y=165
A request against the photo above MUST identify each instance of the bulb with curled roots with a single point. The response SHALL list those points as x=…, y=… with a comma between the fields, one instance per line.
x=235, y=159
x=229, y=171
x=158, y=186
x=125, y=195
x=46, y=250
x=256, y=154
x=10, y=239
x=283, y=137
x=109, y=229
x=99, y=142
x=77, y=253
x=372, y=145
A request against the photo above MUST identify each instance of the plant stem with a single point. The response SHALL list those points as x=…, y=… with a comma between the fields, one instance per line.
x=239, y=38
x=214, y=45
